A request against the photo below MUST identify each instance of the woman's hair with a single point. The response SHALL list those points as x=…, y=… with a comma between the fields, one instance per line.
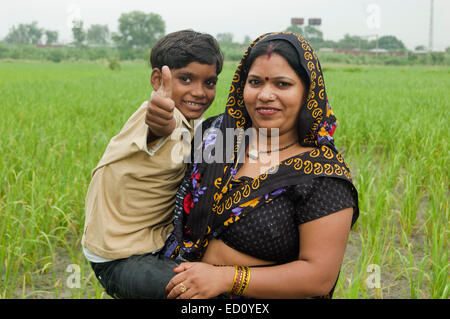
x=283, y=48
x=178, y=49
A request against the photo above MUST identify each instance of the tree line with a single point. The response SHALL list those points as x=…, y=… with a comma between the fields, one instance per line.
x=138, y=32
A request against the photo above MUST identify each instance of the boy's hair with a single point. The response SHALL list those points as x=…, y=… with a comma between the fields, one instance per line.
x=178, y=49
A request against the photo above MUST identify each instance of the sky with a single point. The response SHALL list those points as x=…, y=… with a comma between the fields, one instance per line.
x=408, y=20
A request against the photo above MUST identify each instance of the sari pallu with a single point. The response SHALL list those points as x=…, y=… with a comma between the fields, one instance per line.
x=207, y=203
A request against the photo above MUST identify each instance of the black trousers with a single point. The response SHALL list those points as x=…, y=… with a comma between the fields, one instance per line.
x=137, y=277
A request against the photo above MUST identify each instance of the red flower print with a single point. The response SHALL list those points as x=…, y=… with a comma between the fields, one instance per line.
x=188, y=203
x=332, y=130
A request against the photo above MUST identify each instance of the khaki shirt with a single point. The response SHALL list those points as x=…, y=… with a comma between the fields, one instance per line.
x=130, y=200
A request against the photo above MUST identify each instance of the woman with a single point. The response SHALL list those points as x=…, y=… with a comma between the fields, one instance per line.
x=290, y=224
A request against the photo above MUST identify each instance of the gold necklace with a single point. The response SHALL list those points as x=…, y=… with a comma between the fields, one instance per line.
x=254, y=154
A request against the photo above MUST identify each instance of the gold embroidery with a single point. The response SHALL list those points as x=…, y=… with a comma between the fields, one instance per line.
x=217, y=182
x=240, y=123
x=236, y=197
x=289, y=162
x=312, y=104
x=321, y=94
x=218, y=196
x=305, y=46
x=337, y=170
x=234, y=113
x=317, y=113
x=328, y=169
x=298, y=163
x=308, y=167
x=328, y=153
x=231, y=102
x=225, y=189
x=314, y=153
x=220, y=209
x=320, y=80
x=318, y=168
x=228, y=203
x=246, y=191
x=251, y=203
x=255, y=184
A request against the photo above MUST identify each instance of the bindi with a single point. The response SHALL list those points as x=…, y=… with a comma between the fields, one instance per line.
x=266, y=78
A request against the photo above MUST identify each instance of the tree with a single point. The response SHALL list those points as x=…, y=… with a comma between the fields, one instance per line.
x=225, y=38
x=79, y=36
x=247, y=41
x=98, y=34
x=35, y=33
x=356, y=42
x=390, y=43
x=25, y=34
x=348, y=42
x=311, y=33
x=420, y=48
x=52, y=37
x=139, y=29
x=295, y=28
x=17, y=35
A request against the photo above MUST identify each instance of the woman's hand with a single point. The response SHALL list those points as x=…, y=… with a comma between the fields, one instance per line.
x=199, y=280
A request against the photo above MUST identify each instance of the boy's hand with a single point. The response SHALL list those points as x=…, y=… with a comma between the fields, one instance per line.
x=159, y=116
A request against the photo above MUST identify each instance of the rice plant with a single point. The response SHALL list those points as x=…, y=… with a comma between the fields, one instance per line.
x=58, y=118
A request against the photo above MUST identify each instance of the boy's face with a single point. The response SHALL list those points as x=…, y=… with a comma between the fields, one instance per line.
x=193, y=87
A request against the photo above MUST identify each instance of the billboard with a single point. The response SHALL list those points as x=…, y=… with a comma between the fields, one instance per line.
x=298, y=21
x=315, y=21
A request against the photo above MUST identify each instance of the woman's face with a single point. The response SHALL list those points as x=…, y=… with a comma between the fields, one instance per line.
x=273, y=94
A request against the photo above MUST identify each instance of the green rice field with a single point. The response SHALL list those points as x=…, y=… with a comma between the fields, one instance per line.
x=57, y=118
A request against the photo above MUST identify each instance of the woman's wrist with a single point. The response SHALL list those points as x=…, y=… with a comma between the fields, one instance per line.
x=241, y=281
x=227, y=275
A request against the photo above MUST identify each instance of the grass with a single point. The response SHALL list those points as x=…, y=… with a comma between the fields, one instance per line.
x=58, y=118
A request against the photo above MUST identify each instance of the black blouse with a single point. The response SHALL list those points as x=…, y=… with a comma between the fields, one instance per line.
x=271, y=232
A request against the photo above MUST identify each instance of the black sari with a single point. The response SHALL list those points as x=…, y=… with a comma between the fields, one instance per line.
x=206, y=203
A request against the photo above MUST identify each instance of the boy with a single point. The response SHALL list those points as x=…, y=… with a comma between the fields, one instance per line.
x=131, y=196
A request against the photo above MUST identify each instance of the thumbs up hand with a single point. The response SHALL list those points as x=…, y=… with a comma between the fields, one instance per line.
x=159, y=116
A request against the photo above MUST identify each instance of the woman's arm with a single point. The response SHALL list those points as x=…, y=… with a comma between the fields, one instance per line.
x=322, y=248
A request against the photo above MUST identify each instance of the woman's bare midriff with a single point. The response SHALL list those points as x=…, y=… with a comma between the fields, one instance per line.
x=218, y=253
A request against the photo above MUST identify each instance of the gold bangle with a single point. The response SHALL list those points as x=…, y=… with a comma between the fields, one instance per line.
x=241, y=281
x=235, y=277
x=238, y=281
x=245, y=281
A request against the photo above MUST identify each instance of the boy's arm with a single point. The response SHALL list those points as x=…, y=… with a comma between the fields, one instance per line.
x=159, y=116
